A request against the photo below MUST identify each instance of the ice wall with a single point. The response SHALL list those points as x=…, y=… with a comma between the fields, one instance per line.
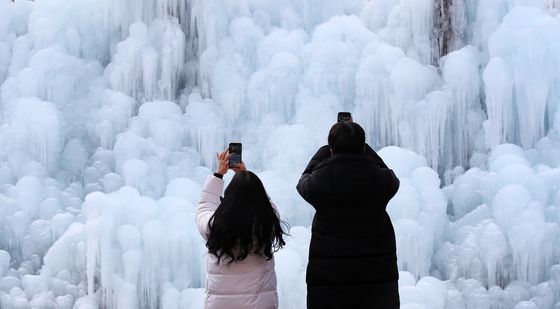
x=111, y=113
x=532, y=67
x=348, y=63
x=505, y=233
x=418, y=210
x=149, y=63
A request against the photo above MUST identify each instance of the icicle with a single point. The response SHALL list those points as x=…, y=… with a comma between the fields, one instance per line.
x=335, y=51
x=30, y=194
x=531, y=56
x=126, y=296
x=373, y=109
x=408, y=88
x=531, y=242
x=150, y=61
x=204, y=128
x=149, y=71
x=149, y=285
x=274, y=88
x=498, y=84
x=414, y=247
x=5, y=56
x=494, y=250
x=246, y=35
x=460, y=72
x=172, y=59
x=531, y=100
x=35, y=129
x=420, y=13
x=373, y=92
x=428, y=118
x=93, y=209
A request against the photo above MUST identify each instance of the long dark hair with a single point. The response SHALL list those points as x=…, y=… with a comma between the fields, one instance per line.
x=245, y=222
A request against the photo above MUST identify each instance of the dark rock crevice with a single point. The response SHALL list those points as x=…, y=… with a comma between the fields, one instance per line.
x=449, y=31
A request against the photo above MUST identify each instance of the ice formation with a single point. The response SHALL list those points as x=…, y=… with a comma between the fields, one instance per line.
x=111, y=113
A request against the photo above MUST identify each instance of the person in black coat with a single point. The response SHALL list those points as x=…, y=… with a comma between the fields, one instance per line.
x=352, y=255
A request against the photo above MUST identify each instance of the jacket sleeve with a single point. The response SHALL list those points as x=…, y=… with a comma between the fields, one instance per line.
x=321, y=155
x=306, y=190
x=305, y=183
x=391, y=181
x=375, y=156
x=208, y=203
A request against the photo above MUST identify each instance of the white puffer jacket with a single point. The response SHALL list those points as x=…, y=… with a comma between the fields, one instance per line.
x=250, y=283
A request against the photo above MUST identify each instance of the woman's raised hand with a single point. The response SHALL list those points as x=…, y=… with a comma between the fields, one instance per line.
x=223, y=165
x=239, y=167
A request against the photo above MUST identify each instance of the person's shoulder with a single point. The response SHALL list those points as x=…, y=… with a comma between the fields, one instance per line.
x=324, y=151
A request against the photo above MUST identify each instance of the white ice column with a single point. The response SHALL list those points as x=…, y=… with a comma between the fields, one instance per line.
x=498, y=84
x=410, y=82
x=36, y=130
x=408, y=25
x=461, y=75
x=150, y=61
x=532, y=56
x=334, y=58
x=428, y=118
x=273, y=89
x=531, y=99
x=204, y=128
x=421, y=24
x=373, y=92
x=169, y=37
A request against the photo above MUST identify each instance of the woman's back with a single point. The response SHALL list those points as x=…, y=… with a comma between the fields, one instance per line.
x=250, y=283
x=237, y=276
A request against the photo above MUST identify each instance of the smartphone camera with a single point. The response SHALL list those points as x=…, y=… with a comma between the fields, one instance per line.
x=235, y=151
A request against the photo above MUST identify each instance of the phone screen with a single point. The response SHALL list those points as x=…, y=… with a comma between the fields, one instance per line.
x=235, y=151
x=344, y=117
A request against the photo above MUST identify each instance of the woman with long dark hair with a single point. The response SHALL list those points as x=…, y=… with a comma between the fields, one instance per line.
x=242, y=231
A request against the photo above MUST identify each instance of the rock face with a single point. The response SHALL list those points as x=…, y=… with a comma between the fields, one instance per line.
x=449, y=32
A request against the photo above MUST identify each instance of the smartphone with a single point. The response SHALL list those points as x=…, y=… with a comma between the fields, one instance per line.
x=235, y=151
x=344, y=117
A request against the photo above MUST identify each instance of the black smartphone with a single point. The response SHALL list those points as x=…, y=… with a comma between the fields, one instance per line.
x=344, y=117
x=235, y=151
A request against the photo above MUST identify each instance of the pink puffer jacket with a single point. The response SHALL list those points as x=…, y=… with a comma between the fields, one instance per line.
x=250, y=283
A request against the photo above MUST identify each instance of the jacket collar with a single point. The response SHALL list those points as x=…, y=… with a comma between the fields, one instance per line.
x=346, y=157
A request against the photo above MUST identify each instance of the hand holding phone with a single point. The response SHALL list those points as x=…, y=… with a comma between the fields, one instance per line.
x=222, y=162
x=344, y=117
x=240, y=167
x=234, y=150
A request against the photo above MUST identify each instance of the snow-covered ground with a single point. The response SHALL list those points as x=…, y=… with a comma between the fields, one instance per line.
x=111, y=112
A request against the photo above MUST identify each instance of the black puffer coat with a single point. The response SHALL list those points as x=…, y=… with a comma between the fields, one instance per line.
x=352, y=256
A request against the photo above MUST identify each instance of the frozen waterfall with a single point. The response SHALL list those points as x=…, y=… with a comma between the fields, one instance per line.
x=111, y=112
